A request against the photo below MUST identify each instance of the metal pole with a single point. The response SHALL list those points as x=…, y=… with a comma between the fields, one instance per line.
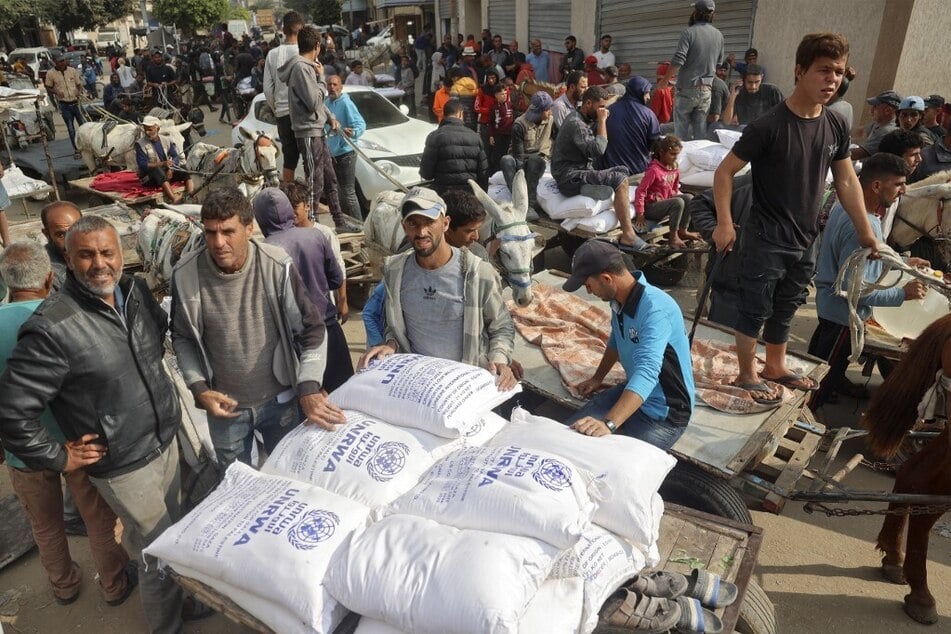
x=46, y=151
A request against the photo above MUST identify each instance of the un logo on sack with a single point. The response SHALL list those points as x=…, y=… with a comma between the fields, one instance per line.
x=553, y=474
x=475, y=429
x=389, y=459
x=314, y=527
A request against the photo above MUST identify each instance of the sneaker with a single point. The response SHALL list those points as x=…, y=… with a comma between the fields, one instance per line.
x=347, y=225
x=132, y=580
x=75, y=526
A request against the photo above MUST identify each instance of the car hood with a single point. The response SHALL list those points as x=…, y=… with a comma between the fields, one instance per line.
x=397, y=140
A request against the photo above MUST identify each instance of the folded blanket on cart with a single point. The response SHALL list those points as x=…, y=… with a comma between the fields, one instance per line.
x=125, y=182
x=573, y=334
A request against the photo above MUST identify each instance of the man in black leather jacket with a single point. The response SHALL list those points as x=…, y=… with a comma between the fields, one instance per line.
x=93, y=354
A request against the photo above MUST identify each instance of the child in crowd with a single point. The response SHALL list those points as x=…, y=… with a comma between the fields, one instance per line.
x=298, y=193
x=501, y=118
x=484, y=102
x=658, y=195
x=662, y=99
x=408, y=83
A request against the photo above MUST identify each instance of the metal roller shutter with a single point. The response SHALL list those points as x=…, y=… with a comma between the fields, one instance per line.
x=445, y=9
x=502, y=19
x=549, y=21
x=646, y=32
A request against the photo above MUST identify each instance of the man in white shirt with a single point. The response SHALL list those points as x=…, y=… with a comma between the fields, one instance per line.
x=604, y=54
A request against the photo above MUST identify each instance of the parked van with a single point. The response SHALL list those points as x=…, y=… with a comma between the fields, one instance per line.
x=33, y=57
x=238, y=28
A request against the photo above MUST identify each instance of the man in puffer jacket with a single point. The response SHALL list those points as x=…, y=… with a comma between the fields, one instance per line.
x=454, y=153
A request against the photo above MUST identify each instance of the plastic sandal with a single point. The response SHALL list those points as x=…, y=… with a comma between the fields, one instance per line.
x=628, y=611
x=710, y=589
x=662, y=585
x=695, y=618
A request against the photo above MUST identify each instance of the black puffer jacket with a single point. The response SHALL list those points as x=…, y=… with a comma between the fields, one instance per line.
x=98, y=374
x=452, y=156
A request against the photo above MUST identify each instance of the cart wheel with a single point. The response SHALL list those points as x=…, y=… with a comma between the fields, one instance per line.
x=690, y=486
x=757, y=614
x=667, y=273
x=570, y=243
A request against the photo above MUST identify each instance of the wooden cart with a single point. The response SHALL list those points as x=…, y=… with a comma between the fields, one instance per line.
x=85, y=185
x=726, y=462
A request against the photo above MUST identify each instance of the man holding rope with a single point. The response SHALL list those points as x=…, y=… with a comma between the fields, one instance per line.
x=791, y=148
x=883, y=181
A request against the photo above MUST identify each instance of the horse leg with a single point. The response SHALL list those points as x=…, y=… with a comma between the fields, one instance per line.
x=890, y=543
x=919, y=603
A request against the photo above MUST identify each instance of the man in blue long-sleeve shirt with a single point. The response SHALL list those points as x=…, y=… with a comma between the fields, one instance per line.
x=883, y=181
x=352, y=125
x=649, y=339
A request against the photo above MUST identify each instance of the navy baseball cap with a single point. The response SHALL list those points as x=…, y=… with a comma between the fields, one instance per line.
x=591, y=258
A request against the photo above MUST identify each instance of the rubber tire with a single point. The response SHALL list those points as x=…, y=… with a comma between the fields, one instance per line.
x=667, y=274
x=692, y=487
x=757, y=614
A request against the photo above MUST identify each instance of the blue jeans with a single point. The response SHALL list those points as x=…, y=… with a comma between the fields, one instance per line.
x=690, y=113
x=232, y=437
x=344, y=167
x=659, y=433
x=71, y=113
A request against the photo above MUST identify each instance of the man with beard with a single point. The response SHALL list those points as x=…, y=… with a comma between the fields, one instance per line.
x=92, y=353
x=442, y=301
x=883, y=181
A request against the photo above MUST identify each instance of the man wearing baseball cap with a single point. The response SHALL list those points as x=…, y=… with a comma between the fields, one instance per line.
x=911, y=114
x=158, y=162
x=884, y=109
x=442, y=301
x=649, y=339
x=934, y=104
x=531, y=145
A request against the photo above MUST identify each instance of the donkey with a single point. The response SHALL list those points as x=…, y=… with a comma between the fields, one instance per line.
x=920, y=215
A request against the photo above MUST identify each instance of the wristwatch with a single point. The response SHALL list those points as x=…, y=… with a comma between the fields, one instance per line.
x=610, y=425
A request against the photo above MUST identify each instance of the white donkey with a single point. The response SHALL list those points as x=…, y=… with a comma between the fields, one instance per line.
x=249, y=167
x=921, y=212
x=95, y=141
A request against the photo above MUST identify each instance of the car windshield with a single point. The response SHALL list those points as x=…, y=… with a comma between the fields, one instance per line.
x=376, y=110
x=28, y=57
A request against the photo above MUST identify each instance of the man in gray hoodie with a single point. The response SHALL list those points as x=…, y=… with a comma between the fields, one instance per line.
x=306, y=91
x=275, y=91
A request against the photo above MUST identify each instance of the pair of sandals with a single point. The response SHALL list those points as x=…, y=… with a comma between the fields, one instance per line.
x=762, y=394
x=668, y=600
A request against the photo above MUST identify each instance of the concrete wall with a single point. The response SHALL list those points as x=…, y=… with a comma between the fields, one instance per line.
x=780, y=24
x=923, y=67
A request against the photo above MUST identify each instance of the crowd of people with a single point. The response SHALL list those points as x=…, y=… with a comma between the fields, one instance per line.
x=256, y=325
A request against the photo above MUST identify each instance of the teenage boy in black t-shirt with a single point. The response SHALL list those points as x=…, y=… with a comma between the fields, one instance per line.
x=791, y=148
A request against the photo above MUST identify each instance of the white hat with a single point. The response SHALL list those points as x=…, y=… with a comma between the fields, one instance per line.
x=149, y=121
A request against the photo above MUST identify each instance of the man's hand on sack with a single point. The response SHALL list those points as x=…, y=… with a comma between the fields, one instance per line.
x=505, y=377
x=590, y=426
x=321, y=412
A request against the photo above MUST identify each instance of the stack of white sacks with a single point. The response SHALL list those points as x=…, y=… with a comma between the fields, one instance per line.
x=426, y=512
x=574, y=211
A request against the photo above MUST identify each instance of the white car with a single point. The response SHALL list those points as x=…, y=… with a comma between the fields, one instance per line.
x=393, y=141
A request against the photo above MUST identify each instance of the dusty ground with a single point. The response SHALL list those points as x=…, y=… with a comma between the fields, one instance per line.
x=821, y=573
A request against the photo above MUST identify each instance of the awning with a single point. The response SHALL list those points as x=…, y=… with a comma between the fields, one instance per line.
x=354, y=5
x=389, y=4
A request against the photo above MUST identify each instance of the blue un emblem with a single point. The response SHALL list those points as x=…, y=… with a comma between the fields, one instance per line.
x=389, y=459
x=314, y=527
x=553, y=474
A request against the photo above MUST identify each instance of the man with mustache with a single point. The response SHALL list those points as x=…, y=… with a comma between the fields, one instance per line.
x=92, y=353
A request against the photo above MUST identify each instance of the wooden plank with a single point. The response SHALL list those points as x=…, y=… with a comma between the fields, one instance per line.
x=725, y=555
x=797, y=464
x=686, y=547
x=670, y=527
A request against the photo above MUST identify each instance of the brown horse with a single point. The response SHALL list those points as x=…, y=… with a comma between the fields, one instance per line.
x=892, y=412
